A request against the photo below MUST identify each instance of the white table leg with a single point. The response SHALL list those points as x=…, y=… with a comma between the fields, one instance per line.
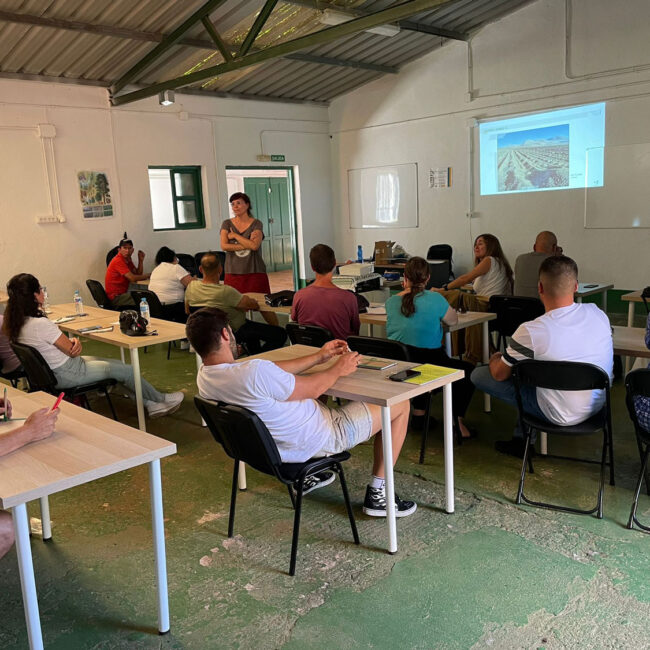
x=158, y=529
x=27, y=582
x=630, y=323
x=487, y=404
x=448, y=343
x=387, y=441
x=122, y=355
x=137, y=377
x=543, y=447
x=579, y=299
x=449, y=449
x=242, y=476
x=605, y=301
x=45, y=518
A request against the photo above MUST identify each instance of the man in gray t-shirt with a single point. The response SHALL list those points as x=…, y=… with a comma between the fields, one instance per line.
x=527, y=265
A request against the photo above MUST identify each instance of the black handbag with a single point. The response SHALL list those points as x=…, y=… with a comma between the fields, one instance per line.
x=132, y=324
x=280, y=298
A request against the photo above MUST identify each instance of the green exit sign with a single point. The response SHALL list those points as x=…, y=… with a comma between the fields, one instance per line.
x=277, y=157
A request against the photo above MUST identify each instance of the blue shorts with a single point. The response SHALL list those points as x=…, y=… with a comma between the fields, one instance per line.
x=349, y=426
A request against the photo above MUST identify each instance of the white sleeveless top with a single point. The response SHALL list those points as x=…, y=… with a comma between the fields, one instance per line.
x=494, y=282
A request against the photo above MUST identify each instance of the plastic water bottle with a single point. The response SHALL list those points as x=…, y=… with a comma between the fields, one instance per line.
x=359, y=253
x=46, y=300
x=78, y=303
x=144, y=310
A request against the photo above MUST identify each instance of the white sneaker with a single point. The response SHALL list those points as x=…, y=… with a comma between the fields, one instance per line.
x=185, y=344
x=171, y=403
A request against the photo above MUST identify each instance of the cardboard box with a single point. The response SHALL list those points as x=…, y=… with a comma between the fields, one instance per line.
x=383, y=252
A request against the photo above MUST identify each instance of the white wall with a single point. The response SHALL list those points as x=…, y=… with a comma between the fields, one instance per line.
x=519, y=64
x=90, y=135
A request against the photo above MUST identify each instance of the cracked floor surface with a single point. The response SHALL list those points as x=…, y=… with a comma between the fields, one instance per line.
x=492, y=575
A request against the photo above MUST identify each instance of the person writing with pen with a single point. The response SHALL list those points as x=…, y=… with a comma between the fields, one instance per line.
x=26, y=323
x=38, y=426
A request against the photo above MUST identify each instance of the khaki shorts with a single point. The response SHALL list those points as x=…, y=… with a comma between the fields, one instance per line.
x=349, y=426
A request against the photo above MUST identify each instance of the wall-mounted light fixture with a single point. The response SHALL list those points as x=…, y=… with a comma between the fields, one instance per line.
x=166, y=98
x=332, y=17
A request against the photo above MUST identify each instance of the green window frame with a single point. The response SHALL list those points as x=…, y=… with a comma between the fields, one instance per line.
x=187, y=196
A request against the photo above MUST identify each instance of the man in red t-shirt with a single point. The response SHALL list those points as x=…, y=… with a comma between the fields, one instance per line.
x=324, y=304
x=121, y=272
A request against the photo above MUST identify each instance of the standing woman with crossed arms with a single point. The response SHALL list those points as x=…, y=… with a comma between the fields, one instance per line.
x=241, y=239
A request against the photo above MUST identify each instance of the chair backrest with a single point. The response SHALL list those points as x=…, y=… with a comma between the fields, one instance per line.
x=188, y=262
x=439, y=273
x=442, y=252
x=39, y=374
x=637, y=384
x=197, y=263
x=242, y=434
x=384, y=348
x=155, y=306
x=96, y=289
x=111, y=254
x=308, y=334
x=512, y=311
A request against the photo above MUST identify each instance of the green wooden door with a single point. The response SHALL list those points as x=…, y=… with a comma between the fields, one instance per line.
x=270, y=204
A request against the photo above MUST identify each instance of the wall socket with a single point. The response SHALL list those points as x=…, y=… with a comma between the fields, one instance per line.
x=50, y=218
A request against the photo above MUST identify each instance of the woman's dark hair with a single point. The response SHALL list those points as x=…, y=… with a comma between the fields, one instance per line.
x=165, y=254
x=22, y=304
x=245, y=198
x=125, y=240
x=416, y=272
x=493, y=249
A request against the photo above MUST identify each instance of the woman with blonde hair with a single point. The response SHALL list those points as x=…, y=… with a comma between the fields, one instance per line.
x=491, y=276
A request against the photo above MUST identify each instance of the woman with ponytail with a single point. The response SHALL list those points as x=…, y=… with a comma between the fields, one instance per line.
x=414, y=317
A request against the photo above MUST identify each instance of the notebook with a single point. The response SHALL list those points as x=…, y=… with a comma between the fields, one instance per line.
x=429, y=372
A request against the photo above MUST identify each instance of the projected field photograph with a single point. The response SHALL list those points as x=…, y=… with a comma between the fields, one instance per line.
x=533, y=159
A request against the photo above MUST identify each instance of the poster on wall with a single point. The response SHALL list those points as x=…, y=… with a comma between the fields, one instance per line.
x=95, y=194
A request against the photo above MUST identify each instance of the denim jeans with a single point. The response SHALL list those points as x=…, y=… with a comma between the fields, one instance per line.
x=86, y=370
x=505, y=391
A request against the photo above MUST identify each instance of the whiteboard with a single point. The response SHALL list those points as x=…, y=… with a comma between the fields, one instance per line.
x=624, y=199
x=383, y=197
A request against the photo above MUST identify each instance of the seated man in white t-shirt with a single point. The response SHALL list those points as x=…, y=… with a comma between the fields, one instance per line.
x=287, y=403
x=168, y=281
x=567, y=331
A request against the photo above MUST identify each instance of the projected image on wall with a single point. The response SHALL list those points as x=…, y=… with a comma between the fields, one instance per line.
x=543, y=151
x=533, y=159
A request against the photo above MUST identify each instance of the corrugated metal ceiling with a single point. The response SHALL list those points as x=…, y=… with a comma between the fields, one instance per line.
x=86, y=41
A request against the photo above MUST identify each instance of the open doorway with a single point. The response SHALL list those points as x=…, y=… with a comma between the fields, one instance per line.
x=271, y=190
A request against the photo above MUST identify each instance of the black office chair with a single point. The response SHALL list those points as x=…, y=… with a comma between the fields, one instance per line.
x=308, y=335
x=111, y=254
x=244, y=437
x=511, y=312
x=387, y=349
x=187, y=262
x=222, y=258
x=637, y=384
x=98, y=293
x=40, y=377
x=442, y=252
x=565, y=376
x=439, y=273
x=156, y=309
x=14, y=376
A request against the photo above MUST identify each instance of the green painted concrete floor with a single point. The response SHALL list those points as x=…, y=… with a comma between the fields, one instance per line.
x=492, y=575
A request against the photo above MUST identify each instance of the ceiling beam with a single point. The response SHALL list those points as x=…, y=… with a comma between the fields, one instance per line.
x=168, y=42
x=407, y=25
x=396, y=12
x=155, y=37
x=253, y=32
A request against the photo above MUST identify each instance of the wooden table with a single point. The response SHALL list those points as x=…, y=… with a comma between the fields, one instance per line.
x=167, y=331
x=85, y=446
x=631, y=298
x=630, y=341
x=4, y=297
x=374, y=387
x=590, y=288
